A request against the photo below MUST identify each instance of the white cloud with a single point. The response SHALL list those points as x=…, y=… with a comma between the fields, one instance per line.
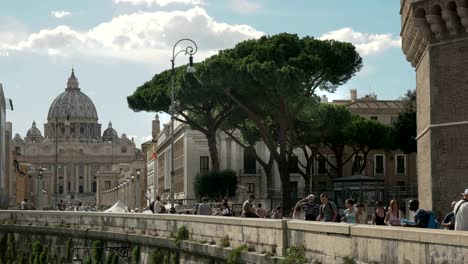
x=366, y=44
x=142, y=37
x=60, y=14
x=245, y=6
x=159, y=2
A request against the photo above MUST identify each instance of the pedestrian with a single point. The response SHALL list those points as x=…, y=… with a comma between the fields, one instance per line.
x=461, y=212
x=24, y=204
x=298, y=212
x=361, y=215
x=311, y=209
x=328, y=211
x=61, y=206
x=394, y=215
x=157, y=206
x=278, y=213
x=261, y=212
x=422, y=218
x=204, y=208
x=350, y=212
x=226, y=211
x=247, y=208
x=378, y=218
x=449, y=219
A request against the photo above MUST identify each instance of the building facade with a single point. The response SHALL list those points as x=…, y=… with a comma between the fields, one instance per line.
x=72, y=150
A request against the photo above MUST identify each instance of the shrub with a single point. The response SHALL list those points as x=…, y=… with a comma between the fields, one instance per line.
x=295, y=255
x=181, y=234
x=216, y=184
x=234, y=256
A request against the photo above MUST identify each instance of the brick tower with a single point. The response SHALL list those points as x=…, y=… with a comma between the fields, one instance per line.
x=435, y=41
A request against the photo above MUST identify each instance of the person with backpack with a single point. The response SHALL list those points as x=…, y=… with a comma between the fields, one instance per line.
x=328, y=211
x=422, y=218
x=461, y=212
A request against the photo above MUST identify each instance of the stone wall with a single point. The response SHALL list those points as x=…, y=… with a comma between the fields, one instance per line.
x=323, y=242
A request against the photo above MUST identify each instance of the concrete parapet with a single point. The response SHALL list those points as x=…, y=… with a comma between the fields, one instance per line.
x=323, y=242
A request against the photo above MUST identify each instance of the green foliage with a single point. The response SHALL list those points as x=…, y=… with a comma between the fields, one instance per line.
x=156, y=257
x=11, y=248
x=175, y=258
x=97, y=251
x=87, y=260
x=405, y=126
x=216, y=184
x=68, y=249
x=20, y=257
x=295, y=255
x=235, y=256
x=136, y=254
x=349, y=260
x=3, y=247
x=225, y=241
x=181, y=234
x=35, y=256
x=112, y=258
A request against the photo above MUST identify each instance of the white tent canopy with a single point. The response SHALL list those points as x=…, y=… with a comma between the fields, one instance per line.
x=118, y=207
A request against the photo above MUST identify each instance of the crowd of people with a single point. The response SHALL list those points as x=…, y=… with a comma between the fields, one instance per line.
x=307, y=209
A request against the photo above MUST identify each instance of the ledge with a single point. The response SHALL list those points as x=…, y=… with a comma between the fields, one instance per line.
x=319, y=227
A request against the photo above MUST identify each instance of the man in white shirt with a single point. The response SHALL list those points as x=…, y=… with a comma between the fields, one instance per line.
x=24, y=204
x=461, y=212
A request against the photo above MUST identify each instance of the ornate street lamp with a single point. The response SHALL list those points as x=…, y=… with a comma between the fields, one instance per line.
x=67, y=108
x=190, y=50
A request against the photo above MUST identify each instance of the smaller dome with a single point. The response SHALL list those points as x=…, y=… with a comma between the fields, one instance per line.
x=18, y=138
x=109, y=134
x=33, y=131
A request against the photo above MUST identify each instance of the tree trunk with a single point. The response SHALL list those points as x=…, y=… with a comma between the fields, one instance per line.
x=286, y=187
x=213, y=148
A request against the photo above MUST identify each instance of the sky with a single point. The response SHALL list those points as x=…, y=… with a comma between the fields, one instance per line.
x=117, y=45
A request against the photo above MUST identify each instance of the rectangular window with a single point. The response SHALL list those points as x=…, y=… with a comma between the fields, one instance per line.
x=107, y=185
x=204, y=164
x=321, y=165
x=400, y=160
x=374, y=118
x=293, y=165
x=251, y=187
x=379, y=164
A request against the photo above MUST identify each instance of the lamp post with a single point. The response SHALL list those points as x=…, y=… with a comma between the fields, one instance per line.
x=40, y=174
x=67, y=111
x=190, y=50
x=137, y=188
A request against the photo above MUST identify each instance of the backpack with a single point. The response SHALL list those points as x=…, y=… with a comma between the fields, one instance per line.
x=432, y=223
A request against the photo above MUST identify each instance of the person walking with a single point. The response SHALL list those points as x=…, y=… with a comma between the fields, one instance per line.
x=261, y=212
x=421, y=217
x=394, y=215
x=204, y=208
x=24, y=204
x=361, y=215
x=350, y=212
x=310, y=208
x=378, y=218
x=247, y=208
x=298, y=212
x=461, y=212
x=328, y=210
x=449, y=219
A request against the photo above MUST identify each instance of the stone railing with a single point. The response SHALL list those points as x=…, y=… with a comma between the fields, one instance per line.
x=323, y=242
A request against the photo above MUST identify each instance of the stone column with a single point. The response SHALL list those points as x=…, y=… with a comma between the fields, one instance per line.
x=442, y=92
x=65, y=180
x=77, y=177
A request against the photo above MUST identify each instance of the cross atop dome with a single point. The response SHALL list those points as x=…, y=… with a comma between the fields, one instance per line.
x=72, y=81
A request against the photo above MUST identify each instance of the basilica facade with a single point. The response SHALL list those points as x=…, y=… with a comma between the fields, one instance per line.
x=64, y=161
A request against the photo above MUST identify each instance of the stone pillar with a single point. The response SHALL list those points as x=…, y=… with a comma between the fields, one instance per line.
x=65, y=180
x=435, y=41
x=77, y=177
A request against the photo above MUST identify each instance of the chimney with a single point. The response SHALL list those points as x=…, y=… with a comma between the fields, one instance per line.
x=353, y=94
x=324, y=99
x=156, y=128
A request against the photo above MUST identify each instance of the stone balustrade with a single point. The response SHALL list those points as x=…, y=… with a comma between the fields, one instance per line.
x=324, y=242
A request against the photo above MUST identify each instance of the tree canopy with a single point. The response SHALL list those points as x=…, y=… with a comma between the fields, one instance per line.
x=405, y=126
